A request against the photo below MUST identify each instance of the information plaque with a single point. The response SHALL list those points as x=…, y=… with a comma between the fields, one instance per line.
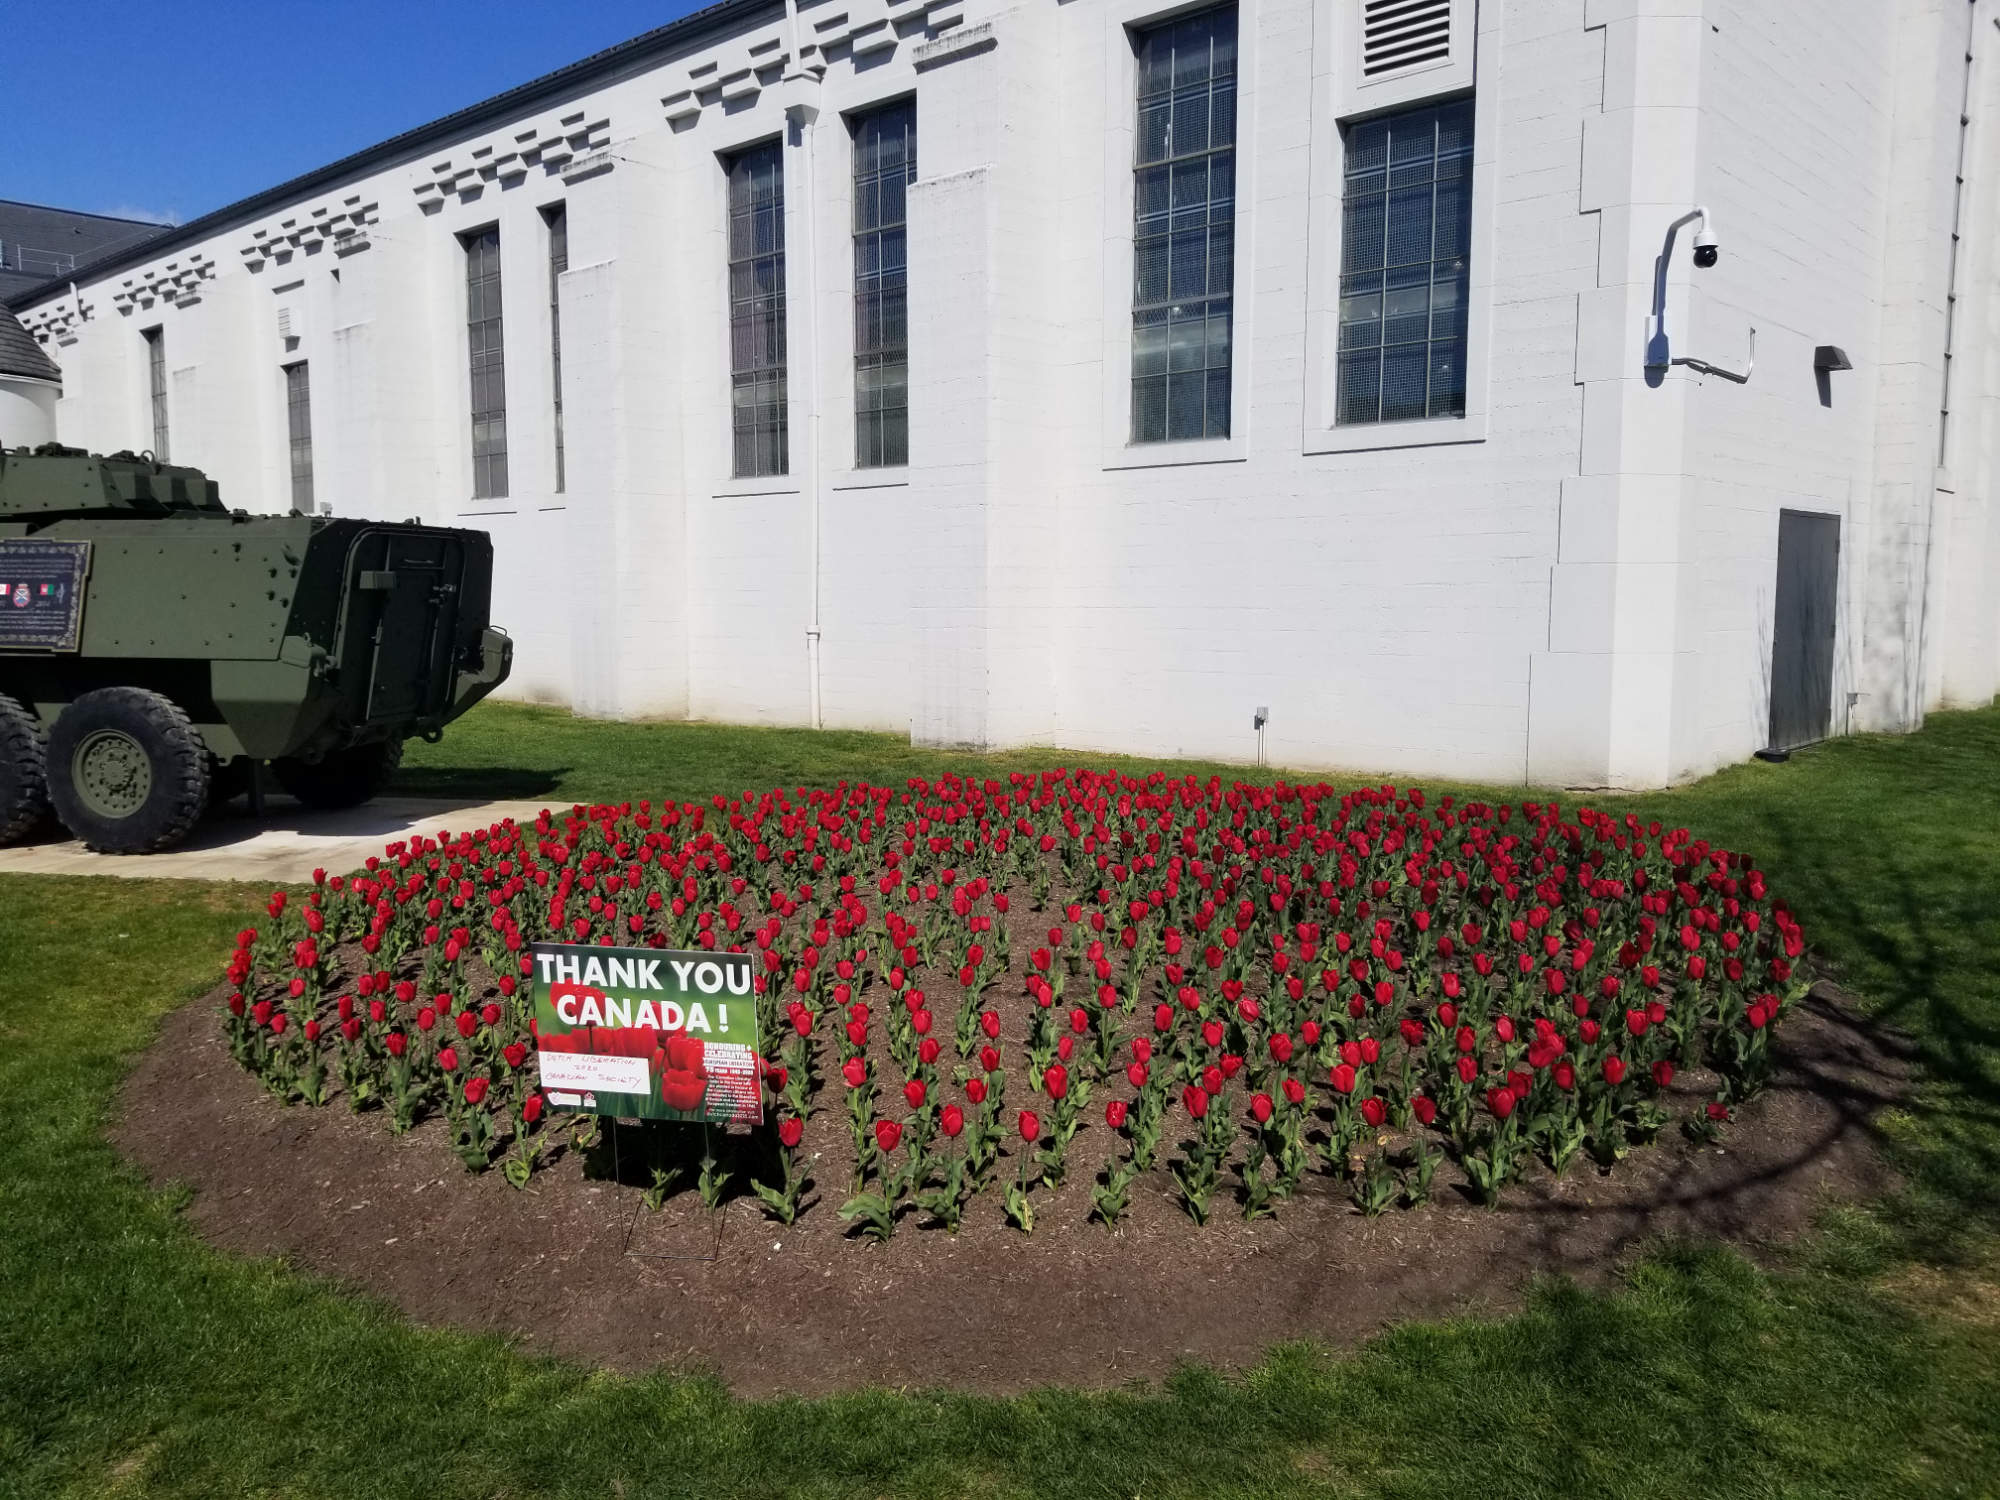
x=41, y=593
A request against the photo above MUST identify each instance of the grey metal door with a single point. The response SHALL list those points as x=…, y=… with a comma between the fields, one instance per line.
x=1802, y=633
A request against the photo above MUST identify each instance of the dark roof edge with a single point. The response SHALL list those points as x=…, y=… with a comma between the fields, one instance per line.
x=82, y=213
x=563, y=80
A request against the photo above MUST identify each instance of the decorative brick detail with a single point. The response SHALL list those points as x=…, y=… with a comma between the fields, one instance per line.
x=343, y=225
x=177, y=281
x=508, y=159
x=58, y=322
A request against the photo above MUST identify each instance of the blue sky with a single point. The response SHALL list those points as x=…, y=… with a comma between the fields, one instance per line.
x=170, y=110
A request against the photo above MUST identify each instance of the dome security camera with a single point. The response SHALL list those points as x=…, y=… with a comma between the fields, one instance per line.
x=1706, y=249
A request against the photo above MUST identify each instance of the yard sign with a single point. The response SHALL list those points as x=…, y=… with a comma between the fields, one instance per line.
x=647, y=1033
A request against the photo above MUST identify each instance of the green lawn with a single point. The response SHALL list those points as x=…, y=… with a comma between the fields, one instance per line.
x=133, y=1360
x=506, y=751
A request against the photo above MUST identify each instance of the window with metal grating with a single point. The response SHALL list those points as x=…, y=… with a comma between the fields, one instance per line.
x=1184, y=228
x=299, y=431
x=885, y=164
x=757, y=370
x=484, y=346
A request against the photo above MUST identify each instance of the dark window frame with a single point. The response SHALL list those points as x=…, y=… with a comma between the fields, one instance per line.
x=1184, y=227
x=486, y=360
x=298, y=432
x=555, y=219
x=1403, y=309
x=884, y=144
x=156, y=383
x=754, y=250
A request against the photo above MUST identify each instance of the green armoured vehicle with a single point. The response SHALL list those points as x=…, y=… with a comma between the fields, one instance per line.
x=158, y=651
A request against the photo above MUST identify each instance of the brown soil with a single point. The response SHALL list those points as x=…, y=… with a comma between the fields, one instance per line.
x=570, y=1266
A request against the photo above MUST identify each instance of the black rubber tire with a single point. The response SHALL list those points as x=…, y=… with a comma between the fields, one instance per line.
x=346, y=778
x=174, y=758
x=24, y=781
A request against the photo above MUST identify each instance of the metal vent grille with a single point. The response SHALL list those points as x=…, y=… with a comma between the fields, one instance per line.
x=1399, y=34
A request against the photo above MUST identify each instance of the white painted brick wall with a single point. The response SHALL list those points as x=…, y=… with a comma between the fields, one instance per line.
x=1583, y=596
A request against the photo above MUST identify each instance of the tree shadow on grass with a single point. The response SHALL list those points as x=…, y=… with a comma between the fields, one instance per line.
x=1919, y=952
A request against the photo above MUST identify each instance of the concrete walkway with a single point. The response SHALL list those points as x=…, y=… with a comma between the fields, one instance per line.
x=287, y=844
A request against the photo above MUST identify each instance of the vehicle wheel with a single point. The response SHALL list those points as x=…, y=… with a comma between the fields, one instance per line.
x=346, y=778
x=128, y=774
x=24, y=786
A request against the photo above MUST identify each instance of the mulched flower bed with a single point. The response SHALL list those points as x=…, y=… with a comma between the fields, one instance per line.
x=1102, y=1033
x=811, y=1310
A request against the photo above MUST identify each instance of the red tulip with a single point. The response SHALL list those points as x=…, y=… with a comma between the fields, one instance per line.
x=1114, y=1114
x=682, y=1089
x=975, y=1090
x=1342, y=1078
x=1425, y=1109
x=1260, y=1108
x=913, y=1093
x=887, y=1135
x=475, y=1090
x=1196, y=1099
x=1501, y=1102
x=951, y=1119
x=1295, y=1092
x=855, y=1071
x=1614, y=1070
x=1374, y=1111
x=1030, y=1126
x=1663, y=1073
x=791, y=1131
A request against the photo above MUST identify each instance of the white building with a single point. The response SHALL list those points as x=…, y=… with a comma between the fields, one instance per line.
x=1051, y=493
